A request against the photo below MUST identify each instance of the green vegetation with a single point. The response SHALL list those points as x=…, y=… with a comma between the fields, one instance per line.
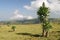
x=13, y=28
x=43, y=14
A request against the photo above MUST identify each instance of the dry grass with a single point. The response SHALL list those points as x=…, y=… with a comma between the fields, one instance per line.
x=7, y=34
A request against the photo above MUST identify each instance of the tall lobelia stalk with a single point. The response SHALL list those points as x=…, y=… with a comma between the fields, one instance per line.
x=43, y=13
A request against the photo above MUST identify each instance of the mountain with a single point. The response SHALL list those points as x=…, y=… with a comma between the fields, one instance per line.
x=28, y=21
x=25, y=21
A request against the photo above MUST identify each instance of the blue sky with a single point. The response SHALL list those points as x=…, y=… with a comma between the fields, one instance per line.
x=15, y=9
x=7, y=7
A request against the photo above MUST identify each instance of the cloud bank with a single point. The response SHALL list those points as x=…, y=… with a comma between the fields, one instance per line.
x=17, y=15
x=54, y=6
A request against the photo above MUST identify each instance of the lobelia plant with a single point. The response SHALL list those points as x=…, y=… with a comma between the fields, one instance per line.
x=43, y=13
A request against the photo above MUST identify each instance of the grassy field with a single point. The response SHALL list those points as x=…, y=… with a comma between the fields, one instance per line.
x=25, y=32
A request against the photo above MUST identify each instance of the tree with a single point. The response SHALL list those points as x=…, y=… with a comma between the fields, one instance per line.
x=42, y=13
x=13, y=28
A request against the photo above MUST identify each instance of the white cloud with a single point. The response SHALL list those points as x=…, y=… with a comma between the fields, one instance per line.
x=54, y=5
x=55, y=8
x=36, y=4
x=27, y=7
x=29, y=17
x=18, y=15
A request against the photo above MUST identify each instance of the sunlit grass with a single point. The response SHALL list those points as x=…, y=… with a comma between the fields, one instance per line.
x=5, y=33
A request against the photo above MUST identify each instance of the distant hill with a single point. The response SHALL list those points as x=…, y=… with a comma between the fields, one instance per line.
x=25, y=21
x=54, y=20
x=30, y=21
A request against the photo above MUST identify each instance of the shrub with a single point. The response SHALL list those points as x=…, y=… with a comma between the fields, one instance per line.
x=13, y=28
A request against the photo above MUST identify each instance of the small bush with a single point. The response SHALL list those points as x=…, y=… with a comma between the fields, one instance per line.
x=13, y=28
